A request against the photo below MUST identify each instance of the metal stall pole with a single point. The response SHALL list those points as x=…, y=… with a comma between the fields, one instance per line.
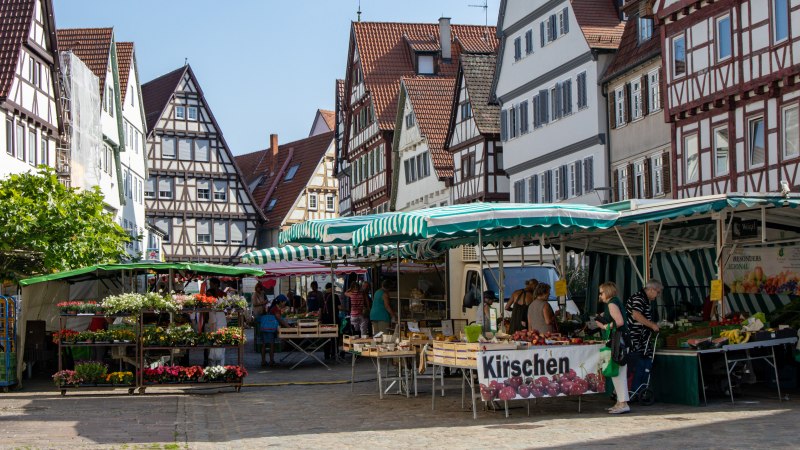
x=398, y=328
x=646, y=252
x=502, y=275
x=720, y=246
x=562, y=256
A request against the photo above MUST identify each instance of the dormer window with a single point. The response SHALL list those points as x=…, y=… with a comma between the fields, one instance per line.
x=425, y=65
x=292, y=172
x=645, y=29
x=271, y=204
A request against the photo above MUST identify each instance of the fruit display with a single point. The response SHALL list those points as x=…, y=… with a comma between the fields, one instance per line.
x=535, y=338
x=757, y=282
x=557, y=385
x=736, y=336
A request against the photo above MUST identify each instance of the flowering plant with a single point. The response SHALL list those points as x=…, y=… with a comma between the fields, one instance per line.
x=102, y=336
x=174, y=335
x=123, y=335
x=213, y=373
x=205, y=301
x=91, y=371
x=157, y=302
x=232, y=302
x=226, y=336
x=84, y=336
x=65, y=335
x=66, y=378
x=235, y=373
x=120, y=378
x=183, y=301
x=192, y=373
x=124, y=303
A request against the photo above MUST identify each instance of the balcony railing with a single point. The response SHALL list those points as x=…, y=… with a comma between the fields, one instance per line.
x=369, y=187
x=363, y=136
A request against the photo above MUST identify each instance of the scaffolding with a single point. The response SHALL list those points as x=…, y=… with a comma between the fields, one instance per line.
x=80, y=160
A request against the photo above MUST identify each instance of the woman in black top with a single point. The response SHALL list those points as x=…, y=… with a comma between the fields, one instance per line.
x=520, y=300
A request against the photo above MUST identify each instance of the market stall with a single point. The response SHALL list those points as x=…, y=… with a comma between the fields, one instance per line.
x=111, y=307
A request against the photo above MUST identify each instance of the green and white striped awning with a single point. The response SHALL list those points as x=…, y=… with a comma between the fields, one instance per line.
x=498, y=219
x=326, y=253
x=338, y=230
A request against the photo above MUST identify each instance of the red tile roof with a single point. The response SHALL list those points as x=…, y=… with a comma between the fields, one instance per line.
x=431, y=99
x=478, y=76
x=15, y=22
x=92, y=46
x=124, y=62
x=631, y=53
x=386, y=57
x=599, y=22
x=307, y=153
x=157, y=93
x=329, y=117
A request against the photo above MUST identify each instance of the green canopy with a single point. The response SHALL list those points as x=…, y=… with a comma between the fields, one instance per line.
x=500, y=220
x=338, y=230
x=327, y=252
x=104, y=270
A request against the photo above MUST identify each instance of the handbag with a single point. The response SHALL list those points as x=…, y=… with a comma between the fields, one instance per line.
x=268, y=323
x=620, y=350
x=608, y=367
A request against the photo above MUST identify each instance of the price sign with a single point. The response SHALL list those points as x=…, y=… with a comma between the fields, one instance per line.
x=716, y=290
x=561, y=288
x=493, y=319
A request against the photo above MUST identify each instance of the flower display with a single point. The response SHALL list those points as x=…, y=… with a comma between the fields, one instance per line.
x=125, y=378
x=84, y=336
x=91, y=371
x=205, y=301
x=65, y=335
x=80, y=307
x=214, y=373
x=183, y=301
x=232, y=302
x=124, y=303
x=193, y=374
x=235, y=373
x=226, y=336
x=122, y=335
x=66, y=378
x=157, y=302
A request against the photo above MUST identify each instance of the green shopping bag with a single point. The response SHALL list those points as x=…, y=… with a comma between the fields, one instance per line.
x=610, y=369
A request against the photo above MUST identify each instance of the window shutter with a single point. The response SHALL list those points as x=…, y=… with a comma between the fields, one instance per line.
x=549, y=186
x=203, y=227
x=504, y=125
x=237, y=231
x=631, y=180
x=544, y=102
x=185, y=149
x=645, y=98
x=408, y=171
x=150, y=184
x=559, y=103
x=220, y=231
x=648, y=181
x=568, y=97
x=536, y=118
x=564, y=182
x=512, y=122
x=541, y=32
x=627, y=102
x=165, y=184
x=578, y=178
x=523, y=122
x=220, y=186
x=533, y=189
x=517, y=49
x=565, y=13
x=588, y=174
x=615, y=187
x=666, y=179
x=612, y=101
x=203, y=184
x=529, y=41
x=201, y=150
x=553, y=27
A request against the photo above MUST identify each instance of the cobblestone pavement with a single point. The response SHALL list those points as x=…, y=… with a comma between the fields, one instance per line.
x=278, y=409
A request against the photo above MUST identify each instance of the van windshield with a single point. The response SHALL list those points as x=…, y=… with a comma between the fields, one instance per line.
x=516, y=277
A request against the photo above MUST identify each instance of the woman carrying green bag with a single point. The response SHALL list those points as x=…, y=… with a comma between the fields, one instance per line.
x=614, y=315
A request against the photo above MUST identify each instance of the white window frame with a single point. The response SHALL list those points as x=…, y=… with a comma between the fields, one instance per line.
x=718, y=169
x=639, y=186
x=657, y=174
x=330, y=203
x=687, y=158
x=312, y=202
x=191, y=111
x=636, y=100
x=170, y=193
x=793, y=128
x=204, y=194
x=619, y=106
x=420, y=66
x=622, y=185
x=750, y=154
x=640, y=29
x=180, y=112
x=673, y=41
x=774, y=16
x=220, y=196
x=718, y=39
x=654, y=91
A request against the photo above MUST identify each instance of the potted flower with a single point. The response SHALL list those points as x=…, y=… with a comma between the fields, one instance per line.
x=102, y=336
x=129, y=303
x=123, y=336
x=228, y=336
x=84, y=337
x=70, y=308
x=234, y=373
x=120, y=378
x=205, y=301
x=65, y=336
x=214, y=373
x=232, y=302
x=91, y=372
x=65, y=378
x=183, y=301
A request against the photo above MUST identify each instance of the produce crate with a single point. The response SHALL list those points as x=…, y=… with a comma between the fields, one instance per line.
x=716, y=331
x=778, y=334
x=348, y=341
x=675, y=340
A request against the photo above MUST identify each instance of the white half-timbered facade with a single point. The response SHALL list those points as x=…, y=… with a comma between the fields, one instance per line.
x=28, y=87
x=553, y=116
x=341, y=164
x=732, y=94
x=473, y=136
x=194, y=192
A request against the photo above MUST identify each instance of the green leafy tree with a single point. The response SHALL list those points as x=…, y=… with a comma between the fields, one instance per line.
x=47, y=227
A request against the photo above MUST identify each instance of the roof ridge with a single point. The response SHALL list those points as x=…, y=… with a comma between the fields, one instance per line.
x=172, y=72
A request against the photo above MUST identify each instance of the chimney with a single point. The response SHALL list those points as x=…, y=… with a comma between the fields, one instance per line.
x=444, y=37
x=273, y=144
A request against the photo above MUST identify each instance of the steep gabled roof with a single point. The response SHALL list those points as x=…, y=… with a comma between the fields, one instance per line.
x=124, y=62
x=306, y=153
x=329, y=117
x=631, y=53
x=431, y=99
x=16, y=17
x=600, y=23
x=157, y=93
x=478, y=73
x=385, y=51
x=92, y=46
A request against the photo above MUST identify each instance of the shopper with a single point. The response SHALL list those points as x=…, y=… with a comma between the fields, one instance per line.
x=614, y=315
x=358, y=318
x=329, y=314
x=314, y=298
x=641, y=326
x=381, y=314
x=296, y=302
x=518, y=305
x=269, y=328
x=484, y=315
x=540, y=315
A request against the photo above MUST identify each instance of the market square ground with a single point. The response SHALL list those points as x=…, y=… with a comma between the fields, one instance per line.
x=279, y=410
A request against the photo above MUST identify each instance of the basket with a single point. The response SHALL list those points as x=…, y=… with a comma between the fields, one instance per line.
x=473, y=332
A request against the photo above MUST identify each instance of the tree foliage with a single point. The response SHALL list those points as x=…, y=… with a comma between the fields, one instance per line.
x=47, y=227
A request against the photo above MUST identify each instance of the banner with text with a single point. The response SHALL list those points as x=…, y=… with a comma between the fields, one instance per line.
x=764, y=270
x=540, y=372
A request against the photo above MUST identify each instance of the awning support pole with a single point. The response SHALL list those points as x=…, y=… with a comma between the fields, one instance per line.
x=646, y=251
x=633, y=261
x=562, y=302
x=720, y=241
x=398, y=329
x=655, y=241
x=502, y=272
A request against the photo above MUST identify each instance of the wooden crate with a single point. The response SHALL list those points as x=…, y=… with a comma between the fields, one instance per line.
x=288, y=332
x=348, y=341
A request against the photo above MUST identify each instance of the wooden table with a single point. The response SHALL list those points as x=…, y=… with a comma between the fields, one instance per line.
x=403, y=369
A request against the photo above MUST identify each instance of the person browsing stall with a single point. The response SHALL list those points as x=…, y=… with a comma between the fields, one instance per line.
x=381, y=314
x=641, y=326
x=273, y=319
x=484, y=315
x=520, y=300
x=314, y=298
x=329, y=314
x=614, y=315
x=540, y=315
x=358, y=306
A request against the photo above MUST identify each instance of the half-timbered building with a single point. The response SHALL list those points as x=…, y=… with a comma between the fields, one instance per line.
x=29, y=100
x=194, y=192
x=473, y=135
x=292, y=183
x=553, y=116
x=341, y=164
x=424, y=168
x=379, y=55
x=640, y=150
x=732, y=93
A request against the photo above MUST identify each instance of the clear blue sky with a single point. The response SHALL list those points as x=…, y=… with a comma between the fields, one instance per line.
x=265, y=66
